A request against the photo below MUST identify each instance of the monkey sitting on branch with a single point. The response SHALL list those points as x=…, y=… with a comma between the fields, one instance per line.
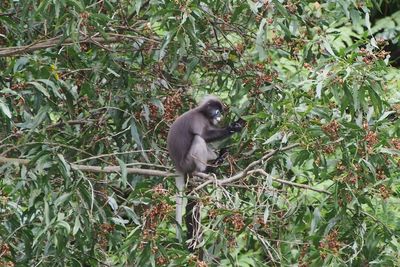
x=187, y=146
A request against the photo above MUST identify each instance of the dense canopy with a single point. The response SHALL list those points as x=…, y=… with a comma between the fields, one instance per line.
x=89, y=88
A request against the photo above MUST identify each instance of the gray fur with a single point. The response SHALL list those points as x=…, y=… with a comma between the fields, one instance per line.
x=187, y=144
x=189, y=136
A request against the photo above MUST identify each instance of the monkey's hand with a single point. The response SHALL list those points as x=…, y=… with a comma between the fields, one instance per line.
x=223, y=153
x=237, y=126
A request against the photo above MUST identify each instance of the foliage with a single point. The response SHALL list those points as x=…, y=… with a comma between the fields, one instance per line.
x=99, y=82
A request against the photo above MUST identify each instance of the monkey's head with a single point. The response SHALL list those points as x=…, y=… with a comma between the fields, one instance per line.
x=212, y=108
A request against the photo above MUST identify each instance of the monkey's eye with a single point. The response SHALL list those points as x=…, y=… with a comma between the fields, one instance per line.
x=217, y=112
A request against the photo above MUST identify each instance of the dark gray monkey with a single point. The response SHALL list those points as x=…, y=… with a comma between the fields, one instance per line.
x=187, y=146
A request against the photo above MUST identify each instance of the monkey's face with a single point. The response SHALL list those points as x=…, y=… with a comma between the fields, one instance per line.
x=216, y=116
x=212, y=109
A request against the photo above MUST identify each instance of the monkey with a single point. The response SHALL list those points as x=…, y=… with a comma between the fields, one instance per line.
x=187, y=142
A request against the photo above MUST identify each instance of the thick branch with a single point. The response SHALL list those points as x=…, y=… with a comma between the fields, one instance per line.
x=98, y=169
x=58, y=41
x=210, y=178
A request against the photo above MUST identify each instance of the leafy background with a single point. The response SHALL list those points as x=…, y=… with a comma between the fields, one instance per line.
x=89, y=89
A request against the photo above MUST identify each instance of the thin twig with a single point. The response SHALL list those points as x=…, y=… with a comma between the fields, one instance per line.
x=70, y=122
x=243, y=173
x=286, y=182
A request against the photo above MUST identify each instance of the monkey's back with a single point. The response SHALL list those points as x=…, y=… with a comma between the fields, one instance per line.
x=180, y=138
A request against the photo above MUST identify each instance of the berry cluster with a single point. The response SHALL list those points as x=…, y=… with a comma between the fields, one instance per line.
x=331, y=243
x=332, y=130
x=172, y=103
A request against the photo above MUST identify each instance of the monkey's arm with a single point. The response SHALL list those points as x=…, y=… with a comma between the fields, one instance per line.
x=212, y=134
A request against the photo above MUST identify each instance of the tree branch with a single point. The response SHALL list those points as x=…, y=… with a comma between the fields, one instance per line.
x=243, y=173
x=59, y=41
x=98, y=169
x=286, y=182
x=209, y=178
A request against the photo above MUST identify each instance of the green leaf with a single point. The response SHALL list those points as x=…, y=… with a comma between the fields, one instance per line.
x=390, y=151
x=385, y=115
x=113, y=203
x=281, y=8
x=65, y=225
x=138, y=5
x=275, y=137
x=60, y=200
x=287, y=31
x=254, y=6
x=266, y=214
x=34, y=122
x=57, y=7
x=53, y=87
x=132, y=215
x=65, y=167
x=123, y=172
x=302, y=157
x=77, y=226
x=77, y=4
x=40, y=88
x=328, y=47
x=135, y=134
x=239, y=10
x=46, y=213
x=375, y=98
x=43, y=5
x=318, y=89
x=119, y=221
x=39, y=236
x=260, y=40
x=191, y=67
x=20, y=64
x=4, y=108
x=113, y=73
x=368, y=22
x=315, y=221
x=166, y=41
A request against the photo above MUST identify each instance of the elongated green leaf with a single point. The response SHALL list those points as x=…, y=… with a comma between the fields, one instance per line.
x=266, y=214
x=77, y=226
x=65, y=225
x=61, y=199
x=40, y=88
x=77, y=4
x=315, y=221
x=65, y=167
x=123, y=172
x=375, y=98
x=135, y=134
x=260, y=39
x=4, y=108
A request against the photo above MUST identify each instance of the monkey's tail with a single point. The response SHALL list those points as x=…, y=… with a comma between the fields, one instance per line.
x=194, y=231
x=192, y=215
x=180, y=185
